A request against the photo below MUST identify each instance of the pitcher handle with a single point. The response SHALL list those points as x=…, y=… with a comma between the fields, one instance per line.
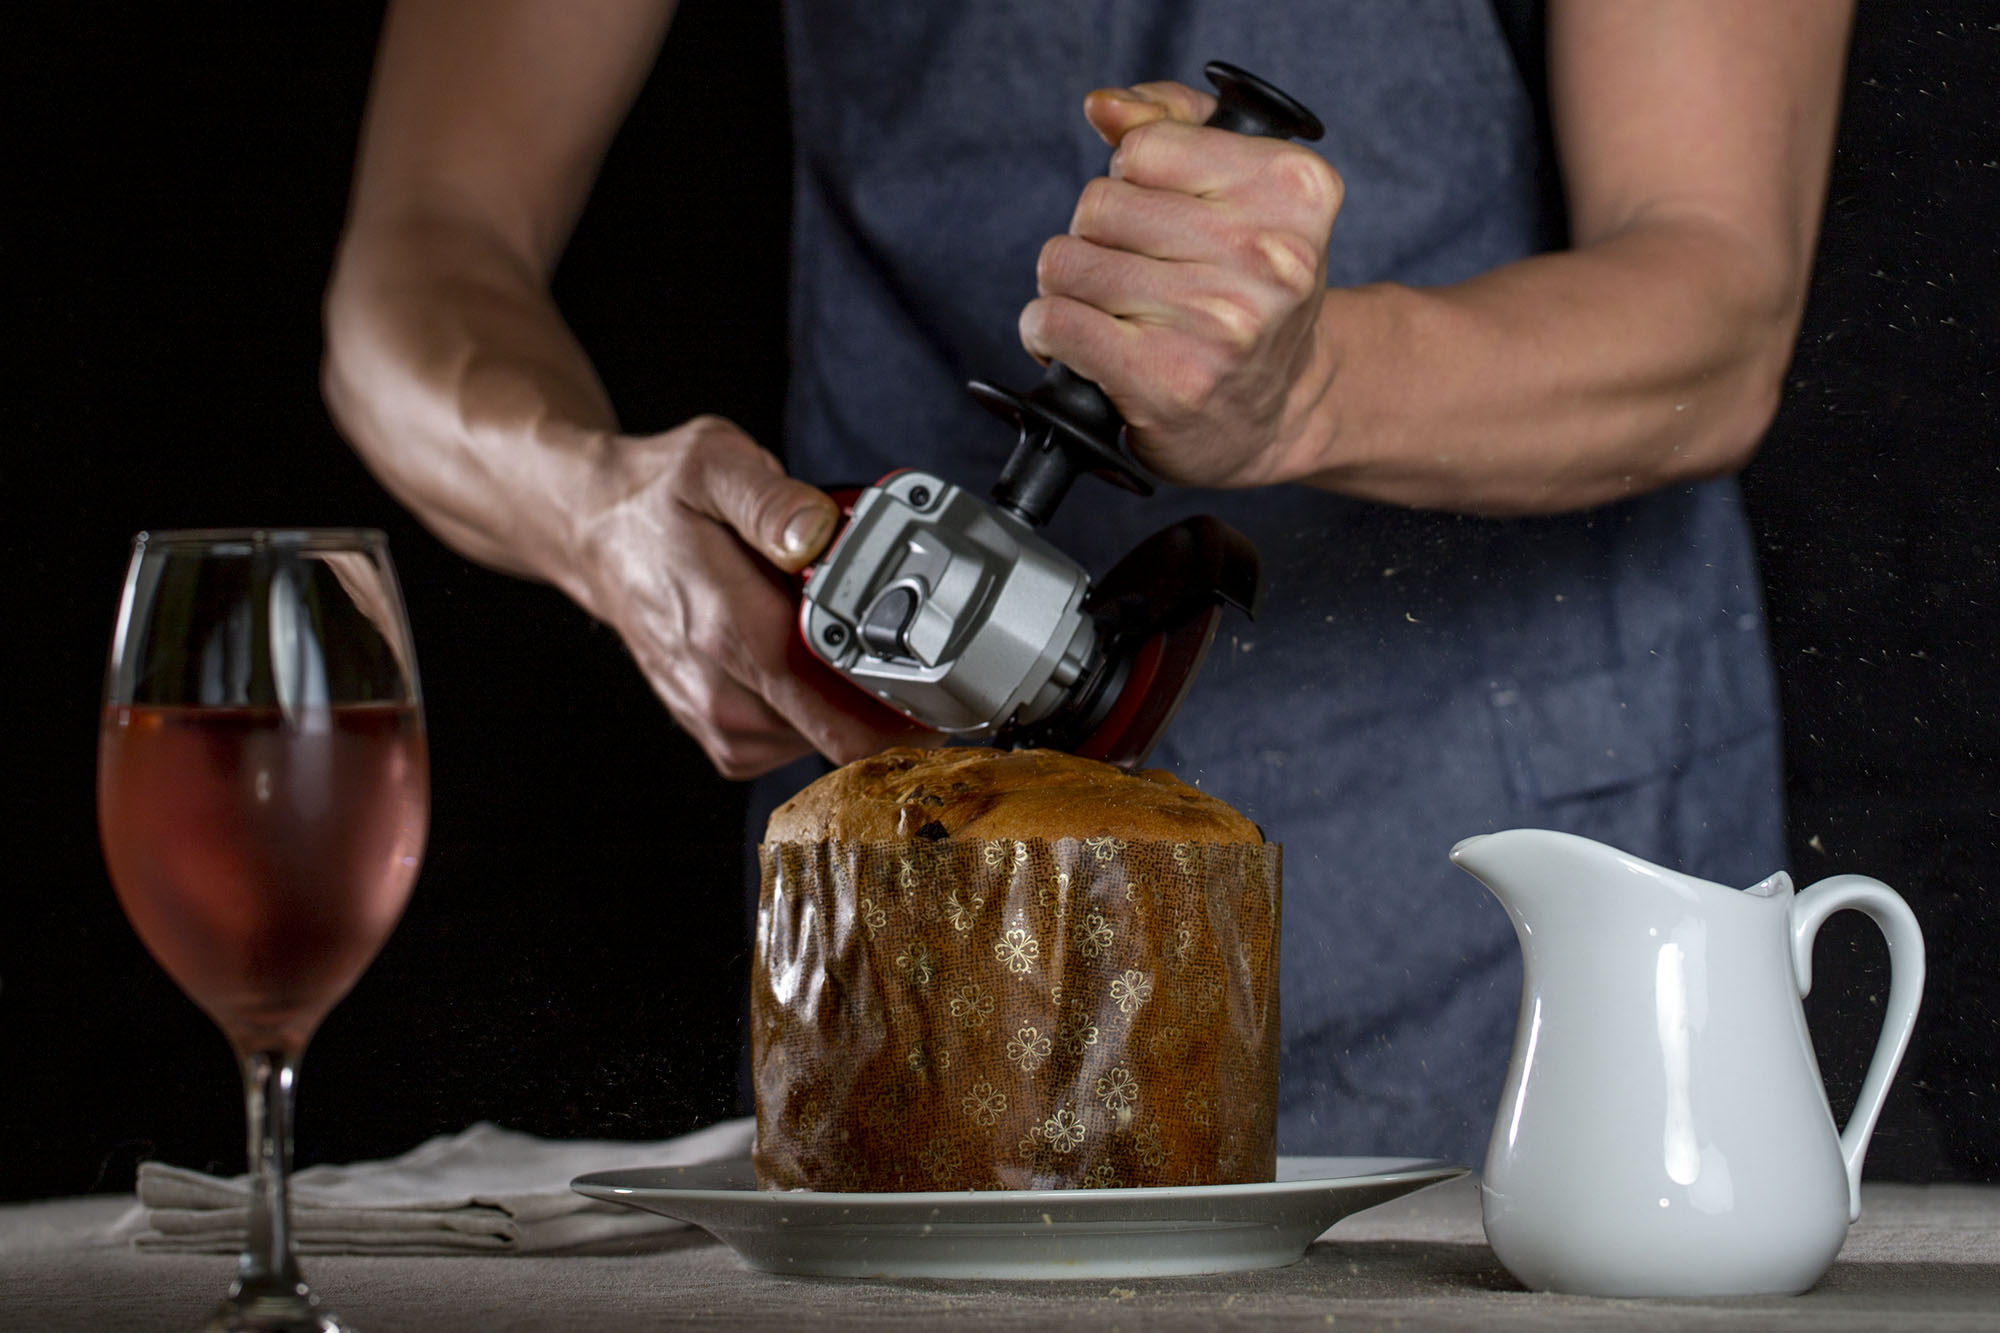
x=1882, y=905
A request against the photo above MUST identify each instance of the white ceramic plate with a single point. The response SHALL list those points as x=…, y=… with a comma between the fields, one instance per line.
x=1081, y=1233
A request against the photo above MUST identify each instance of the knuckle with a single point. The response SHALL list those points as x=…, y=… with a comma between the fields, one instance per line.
x=1307, y=177
x=708, y=438
x=712, y=438
x=1051, y=324
x=1064, y=261
x=845, y=749
x=1049, y=263
x=1139, y=136
x=731, y=759
x=1033, y=326
x=1091, y=206
x=681, y=463
x=1134, y=155
x=766, y=505
x=1186, y=387
x=734, y=759
x=1233, y=321
x=1287, y=260
x=740, y=485
x=731, y=732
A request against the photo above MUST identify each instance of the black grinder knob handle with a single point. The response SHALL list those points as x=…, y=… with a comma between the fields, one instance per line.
x=1248, y=105
x=1068, y=426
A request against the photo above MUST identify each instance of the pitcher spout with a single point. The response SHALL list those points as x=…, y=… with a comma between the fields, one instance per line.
x=1525, y=868
x=1520, y=864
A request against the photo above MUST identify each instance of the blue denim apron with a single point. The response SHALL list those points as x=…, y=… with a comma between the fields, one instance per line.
x=1414, y=677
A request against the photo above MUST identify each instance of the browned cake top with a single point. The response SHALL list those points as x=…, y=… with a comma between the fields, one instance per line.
x=964, y=792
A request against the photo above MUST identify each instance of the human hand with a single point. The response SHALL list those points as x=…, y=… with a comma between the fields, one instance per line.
x=689, y=557
x=1189, y=287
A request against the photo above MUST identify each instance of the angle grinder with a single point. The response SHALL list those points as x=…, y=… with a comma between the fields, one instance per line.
x=957, y=613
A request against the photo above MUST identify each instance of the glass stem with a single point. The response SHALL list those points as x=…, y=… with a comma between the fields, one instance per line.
x=268, y=1271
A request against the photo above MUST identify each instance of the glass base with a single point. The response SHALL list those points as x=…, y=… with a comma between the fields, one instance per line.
x=266, y=1314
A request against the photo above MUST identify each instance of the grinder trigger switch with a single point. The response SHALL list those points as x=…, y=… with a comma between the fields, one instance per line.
x=885, y=625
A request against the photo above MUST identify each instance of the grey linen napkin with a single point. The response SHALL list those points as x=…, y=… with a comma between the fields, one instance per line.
x=486, y=1190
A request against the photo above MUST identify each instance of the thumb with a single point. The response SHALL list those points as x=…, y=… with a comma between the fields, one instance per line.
x=1116, y=112
x=806, y=523
x=730, y=479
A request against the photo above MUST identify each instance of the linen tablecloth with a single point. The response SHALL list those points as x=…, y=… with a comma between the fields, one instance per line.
x=1921, y=1257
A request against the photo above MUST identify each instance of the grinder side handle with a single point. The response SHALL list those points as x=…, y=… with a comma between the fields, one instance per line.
x=1068, y=426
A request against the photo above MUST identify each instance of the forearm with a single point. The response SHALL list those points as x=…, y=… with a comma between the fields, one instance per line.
x=447, y=365
x=454, y=377
x=453, y=374
x=1556, y=383
x=1694, y=137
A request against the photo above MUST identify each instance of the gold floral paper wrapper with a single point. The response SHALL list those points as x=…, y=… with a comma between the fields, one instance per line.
x=1015, y=1015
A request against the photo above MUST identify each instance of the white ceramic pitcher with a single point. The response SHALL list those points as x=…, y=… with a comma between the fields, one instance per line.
x=1664, y=1131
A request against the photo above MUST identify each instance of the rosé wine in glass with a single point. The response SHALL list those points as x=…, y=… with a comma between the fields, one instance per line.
x=263, y=865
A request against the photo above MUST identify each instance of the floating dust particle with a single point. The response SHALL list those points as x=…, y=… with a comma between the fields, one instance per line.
x=1814, y=843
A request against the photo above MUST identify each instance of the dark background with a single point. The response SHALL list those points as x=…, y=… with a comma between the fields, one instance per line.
x=572, y=960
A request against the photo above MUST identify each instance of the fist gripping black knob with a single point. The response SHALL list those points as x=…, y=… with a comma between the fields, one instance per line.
x=1068, y=427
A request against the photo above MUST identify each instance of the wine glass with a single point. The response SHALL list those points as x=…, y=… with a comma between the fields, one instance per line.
x=263, y=792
